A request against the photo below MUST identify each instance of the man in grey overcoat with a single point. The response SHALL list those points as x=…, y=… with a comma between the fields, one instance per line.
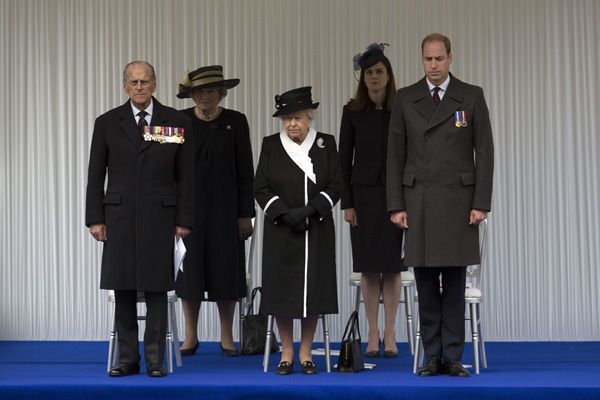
x=147, y=202
x=439, y=188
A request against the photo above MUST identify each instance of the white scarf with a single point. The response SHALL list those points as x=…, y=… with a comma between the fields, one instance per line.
x=299, y=152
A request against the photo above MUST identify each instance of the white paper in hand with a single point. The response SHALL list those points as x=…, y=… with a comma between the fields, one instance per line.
x=178, y=255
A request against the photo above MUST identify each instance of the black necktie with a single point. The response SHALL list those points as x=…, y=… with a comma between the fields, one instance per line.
x=142, y=121
x=436, y=96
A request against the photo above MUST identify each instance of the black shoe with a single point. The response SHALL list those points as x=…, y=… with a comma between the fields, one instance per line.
x=284, y=368
x=229, y=352
x=190, y=351
x=390, y=354
x=374, y=353
x=124, y=370
x=156, y=371
x=309, y=368
x=455, y=368
x=433, y=367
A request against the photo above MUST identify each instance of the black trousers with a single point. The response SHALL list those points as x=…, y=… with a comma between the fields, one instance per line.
x=127, y=326
x=442, y=313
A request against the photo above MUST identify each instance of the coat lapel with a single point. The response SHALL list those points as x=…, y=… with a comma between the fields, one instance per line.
x=128, y=124
x=422, y=100
x=449, y=104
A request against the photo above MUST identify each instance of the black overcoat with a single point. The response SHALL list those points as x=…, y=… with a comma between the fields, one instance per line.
x=298, y=270
x=149, y=191
x=224, y=178
x=438, y=172
x=376, y=241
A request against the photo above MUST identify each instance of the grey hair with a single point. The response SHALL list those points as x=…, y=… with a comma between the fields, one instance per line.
x=147, y=64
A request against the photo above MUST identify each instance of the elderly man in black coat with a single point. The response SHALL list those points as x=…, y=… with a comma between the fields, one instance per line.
x=439, y=187
x=144, y=147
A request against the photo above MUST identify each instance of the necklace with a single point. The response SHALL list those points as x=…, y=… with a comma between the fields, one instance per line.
x=208, y=117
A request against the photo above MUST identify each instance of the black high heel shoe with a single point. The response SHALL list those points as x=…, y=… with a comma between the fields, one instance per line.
x=189, y=351
x=229, y=352
x=374, y=353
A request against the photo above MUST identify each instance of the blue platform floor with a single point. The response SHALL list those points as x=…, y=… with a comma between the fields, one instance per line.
x=77, y=370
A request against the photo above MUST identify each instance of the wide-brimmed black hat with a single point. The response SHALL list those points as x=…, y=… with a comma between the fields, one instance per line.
x=371, y=56
x=294, y=100
x=205, y=77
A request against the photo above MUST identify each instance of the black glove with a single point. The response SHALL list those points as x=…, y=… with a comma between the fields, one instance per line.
x=301, y=227
x=297, y=215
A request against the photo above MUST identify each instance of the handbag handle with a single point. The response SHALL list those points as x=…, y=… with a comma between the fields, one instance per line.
x=352, y=327
x=252, y=297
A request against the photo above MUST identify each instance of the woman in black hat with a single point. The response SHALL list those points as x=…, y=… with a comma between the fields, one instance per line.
x=376, y=242
x=215, y=259
x=298, y=181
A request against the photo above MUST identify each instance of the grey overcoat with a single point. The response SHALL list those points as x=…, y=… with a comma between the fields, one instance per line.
x=438, y=171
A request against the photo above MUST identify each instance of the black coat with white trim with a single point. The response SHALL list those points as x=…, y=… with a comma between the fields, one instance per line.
x=298, y=270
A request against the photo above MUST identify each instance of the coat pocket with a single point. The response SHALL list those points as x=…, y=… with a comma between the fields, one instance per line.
x=468, y=178
x=112, y=198
x=408, y=179
x=169, y=201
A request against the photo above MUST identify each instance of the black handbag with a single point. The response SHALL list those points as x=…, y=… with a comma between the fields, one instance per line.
x=254, y=330
x=351, y=357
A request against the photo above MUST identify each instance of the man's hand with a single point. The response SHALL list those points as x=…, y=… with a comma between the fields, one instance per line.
x=350, y=217
x=182, y=231
x=98, y=231
x=477, y=216
x=244, y=228
x=400, y=219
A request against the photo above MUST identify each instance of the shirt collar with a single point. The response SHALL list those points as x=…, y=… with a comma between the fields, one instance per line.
x=443, y=86
x=148, y=109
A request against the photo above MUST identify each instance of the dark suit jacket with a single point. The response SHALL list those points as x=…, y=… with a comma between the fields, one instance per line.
x=438, y=172
x=149, y=191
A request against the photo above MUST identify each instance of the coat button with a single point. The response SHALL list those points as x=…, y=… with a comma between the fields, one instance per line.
x=448, y=161
x=427, y=138
x=450, y=186
x=448, y=139
x=428, y=162
x=427, y=187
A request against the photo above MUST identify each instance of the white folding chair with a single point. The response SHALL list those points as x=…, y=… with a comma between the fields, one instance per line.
x=408, y=283
x=473, y=298
x=267, y=354
x=172, y=335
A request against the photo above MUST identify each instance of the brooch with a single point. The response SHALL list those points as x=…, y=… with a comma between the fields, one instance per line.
x=320, y=143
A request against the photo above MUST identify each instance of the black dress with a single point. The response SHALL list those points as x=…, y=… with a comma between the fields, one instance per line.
x=376, y=241
x=298, y=269
x=215, y=259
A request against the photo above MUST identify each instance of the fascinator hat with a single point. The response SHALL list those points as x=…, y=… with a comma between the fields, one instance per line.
x=371, y=56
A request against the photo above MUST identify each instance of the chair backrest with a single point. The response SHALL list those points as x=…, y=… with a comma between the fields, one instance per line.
x=474, y=272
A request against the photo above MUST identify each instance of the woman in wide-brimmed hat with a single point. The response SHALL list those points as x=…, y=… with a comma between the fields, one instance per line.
x=215, y=259
x=298, y=181
x=376, y=241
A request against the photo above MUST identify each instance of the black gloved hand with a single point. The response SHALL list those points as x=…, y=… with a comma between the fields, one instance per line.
x=297, y=215
x=301, y=227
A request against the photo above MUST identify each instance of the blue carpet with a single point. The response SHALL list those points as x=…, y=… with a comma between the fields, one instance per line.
x=76, y=370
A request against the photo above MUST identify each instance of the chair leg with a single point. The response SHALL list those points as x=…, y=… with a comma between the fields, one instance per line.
x=268, y=343
x=409, y=319
x=326, y=342
x=357, y=299
x=169, y=340
x=113, y=346
x=474, y=337
x=417, y=359
x=241, y=307
x=173, y=318
x=481, y=342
